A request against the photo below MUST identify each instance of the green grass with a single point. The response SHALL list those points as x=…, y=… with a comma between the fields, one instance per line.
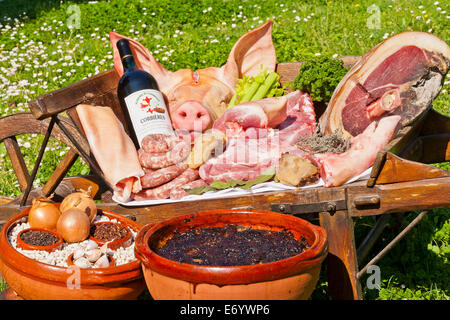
x=39, y=54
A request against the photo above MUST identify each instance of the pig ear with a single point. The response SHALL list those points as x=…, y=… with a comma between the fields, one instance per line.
x=145, y=61
x=253, y=50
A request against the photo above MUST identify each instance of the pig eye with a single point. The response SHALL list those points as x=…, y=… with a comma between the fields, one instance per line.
x=199, y=115
x=183, y=114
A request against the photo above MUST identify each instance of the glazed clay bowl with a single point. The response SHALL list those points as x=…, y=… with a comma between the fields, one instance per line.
x=26, y=246
x=125, y=241
x=291, y=278
x=35, y=280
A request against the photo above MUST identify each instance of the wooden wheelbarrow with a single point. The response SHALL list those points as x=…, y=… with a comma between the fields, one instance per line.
x=400, y=179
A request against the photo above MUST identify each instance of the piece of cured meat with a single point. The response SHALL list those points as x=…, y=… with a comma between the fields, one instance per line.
x=400, y=76
x=112, y=148
x=154, y=178
x=180, y=192
x=163, y=191
x=337, y=168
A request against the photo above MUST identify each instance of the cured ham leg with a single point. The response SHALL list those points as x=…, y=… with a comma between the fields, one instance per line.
x=400, y=76
x=113, y=149
x=335, y=169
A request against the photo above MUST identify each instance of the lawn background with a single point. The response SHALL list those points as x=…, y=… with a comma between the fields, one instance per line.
x=39, y=53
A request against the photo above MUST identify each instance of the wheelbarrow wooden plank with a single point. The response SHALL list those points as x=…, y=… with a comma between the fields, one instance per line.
x=24, y=122
x=396, y=169
x=255, y=201
x=429, y=149
x=399, y=197
x=80, y=92
x=435, y=123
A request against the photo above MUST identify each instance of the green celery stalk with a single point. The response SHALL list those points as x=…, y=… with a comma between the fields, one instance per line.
x=265, y=87
x=251, y=92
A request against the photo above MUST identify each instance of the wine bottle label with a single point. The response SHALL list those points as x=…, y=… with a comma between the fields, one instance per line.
x=148, y=113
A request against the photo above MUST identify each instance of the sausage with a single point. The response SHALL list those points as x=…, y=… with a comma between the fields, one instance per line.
x=154, y=178
x=179, y=192
x=158, y=160
x=163, y=191
x=159, y=143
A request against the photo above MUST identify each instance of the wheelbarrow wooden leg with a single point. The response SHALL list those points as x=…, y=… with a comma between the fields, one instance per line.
x=342, y=263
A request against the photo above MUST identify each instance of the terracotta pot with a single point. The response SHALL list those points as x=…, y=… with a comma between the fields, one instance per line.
x=291, y=278
x=32, y=279
x=116, y=244
x=112, y=262
x=26, y=246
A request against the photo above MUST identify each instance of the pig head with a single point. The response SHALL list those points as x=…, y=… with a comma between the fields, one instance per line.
x=197, y=98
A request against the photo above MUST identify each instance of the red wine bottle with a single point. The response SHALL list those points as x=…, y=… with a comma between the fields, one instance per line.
x=142, y=103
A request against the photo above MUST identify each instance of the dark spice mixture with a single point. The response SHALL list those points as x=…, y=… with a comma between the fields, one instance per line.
x=333, y=142
x=108, y=231
x=231, y=245
x=38, y=238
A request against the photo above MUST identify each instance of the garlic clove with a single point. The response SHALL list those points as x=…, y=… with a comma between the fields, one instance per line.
x=82, y=263
x=93, y=255
x=78, y=253
x=106, y=250
x=91, y=245
x=102, y=262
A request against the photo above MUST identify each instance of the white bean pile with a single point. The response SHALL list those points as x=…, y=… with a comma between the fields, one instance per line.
x=59, y=257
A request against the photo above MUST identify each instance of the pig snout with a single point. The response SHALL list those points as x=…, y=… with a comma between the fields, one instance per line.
x=191, y=116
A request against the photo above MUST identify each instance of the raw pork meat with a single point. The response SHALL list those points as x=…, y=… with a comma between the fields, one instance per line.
x=252, y=150
x=335, y=169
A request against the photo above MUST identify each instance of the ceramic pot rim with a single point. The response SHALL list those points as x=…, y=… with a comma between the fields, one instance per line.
x=16, y=260
x=26, y=246
x=308, y=259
